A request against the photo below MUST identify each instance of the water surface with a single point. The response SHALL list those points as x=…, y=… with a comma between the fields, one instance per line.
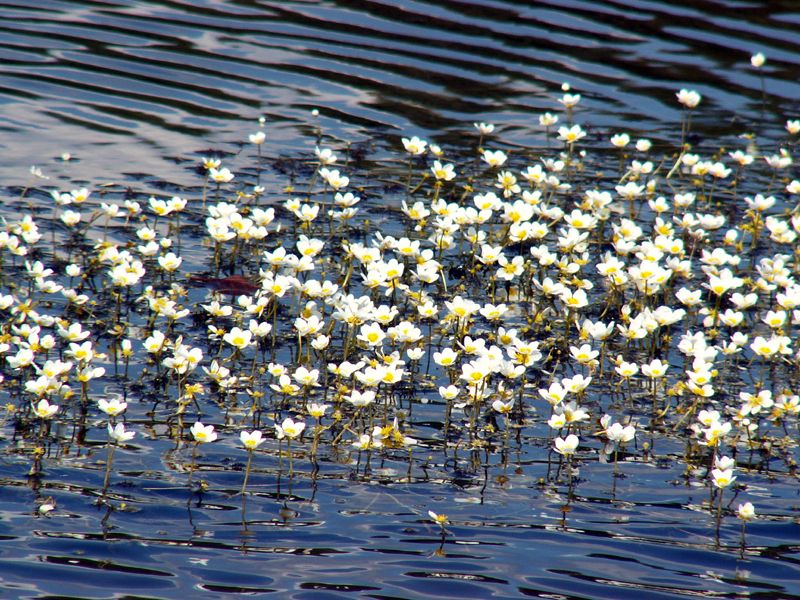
x=138, y=91
x=136, y=87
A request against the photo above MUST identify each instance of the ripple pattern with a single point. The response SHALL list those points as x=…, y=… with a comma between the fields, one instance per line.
x=131, y=86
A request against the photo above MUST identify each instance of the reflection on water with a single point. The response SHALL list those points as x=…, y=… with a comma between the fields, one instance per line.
x=131, y=87
x=137, y=91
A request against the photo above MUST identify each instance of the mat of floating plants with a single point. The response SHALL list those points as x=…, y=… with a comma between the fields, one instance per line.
x=412, y=369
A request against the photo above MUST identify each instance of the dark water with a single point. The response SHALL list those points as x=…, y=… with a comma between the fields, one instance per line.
x=131, y=87
x=137, y=91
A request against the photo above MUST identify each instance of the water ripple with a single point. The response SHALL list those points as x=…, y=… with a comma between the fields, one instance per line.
x=94, y=77
x=138, y=90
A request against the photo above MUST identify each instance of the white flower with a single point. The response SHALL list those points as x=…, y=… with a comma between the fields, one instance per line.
x=440, y=520
x=484, y=128
x=443, y=172
x=619, y=434
x=118, y=433
x=724, y=462
x=547, y=119
x=620, y=140
x=655, y=368
x=170, y=261
x=414, y=146
x=722, y=478
x=570, y=100
x=317, y=410
x=203, y=433
x=306, y=377
x=223, y=175
x=239, y=338
x=449, y=392
x=325, y=156
x=71, y=217
x=251, y=439
x=289, y=428
x=568, y=445
x=689, y=98
x=257, y=138
x=361, y=399
x=112, y=407
x=503, y=407
x=334, y=179
x=366, y=442
x=570, y=135
x=746, y=511
x=44, y=410
x=494, y=158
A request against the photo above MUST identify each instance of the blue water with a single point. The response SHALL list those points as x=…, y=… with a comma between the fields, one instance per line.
x=136, y=92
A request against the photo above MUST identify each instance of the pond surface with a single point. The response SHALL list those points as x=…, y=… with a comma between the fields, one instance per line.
x=138, y=92
x=134, y=87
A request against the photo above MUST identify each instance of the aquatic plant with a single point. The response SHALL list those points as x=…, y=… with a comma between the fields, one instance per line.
x=464, y=308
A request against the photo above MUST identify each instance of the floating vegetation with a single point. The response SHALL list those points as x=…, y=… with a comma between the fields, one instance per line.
x=540, y=316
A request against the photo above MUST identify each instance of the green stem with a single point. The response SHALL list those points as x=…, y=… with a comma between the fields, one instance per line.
x=247, y=470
